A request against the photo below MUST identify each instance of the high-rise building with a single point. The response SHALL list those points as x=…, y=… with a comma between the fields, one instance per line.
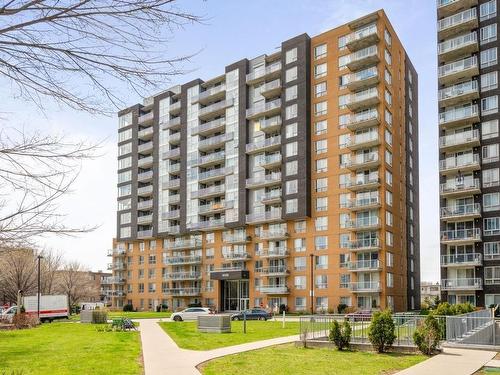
x=290, y=179
x=468, y=149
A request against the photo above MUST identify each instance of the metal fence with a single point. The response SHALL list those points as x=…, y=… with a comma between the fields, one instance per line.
x=478, y=328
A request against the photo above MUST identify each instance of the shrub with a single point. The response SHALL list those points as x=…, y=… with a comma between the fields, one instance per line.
x=99, y=317
x=381, y=331
x=128, y=307
x=444, y=308
x=341, y=308
x=23, y=320
x=196, y=304
x=426, y=337
x=340, y=335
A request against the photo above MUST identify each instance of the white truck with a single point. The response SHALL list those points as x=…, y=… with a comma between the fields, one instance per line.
x=51, y=308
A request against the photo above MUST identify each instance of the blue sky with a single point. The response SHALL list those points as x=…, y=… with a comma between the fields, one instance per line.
x=235, y=30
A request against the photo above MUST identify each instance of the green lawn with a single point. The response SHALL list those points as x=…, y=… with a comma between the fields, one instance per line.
x=186, y=335
x=132, y=315
x=69, y=348
x=287, y=359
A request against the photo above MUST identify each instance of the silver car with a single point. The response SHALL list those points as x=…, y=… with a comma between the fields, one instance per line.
x=191, y=313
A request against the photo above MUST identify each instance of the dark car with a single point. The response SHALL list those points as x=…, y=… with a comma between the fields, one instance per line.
x=252, y=314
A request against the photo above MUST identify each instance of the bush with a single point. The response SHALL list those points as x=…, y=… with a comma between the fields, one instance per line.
x=341, y=308
x=444, y=308
x=426, y=337
x=99, y=317
x=128, y=307
x=283, y=308
x=340, y=335
x=381, y=331
x=23, y=320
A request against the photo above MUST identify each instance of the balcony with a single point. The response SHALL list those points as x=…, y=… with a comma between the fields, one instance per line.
x=455, y=188
x=271, y=125
x=361, y=224
x=143, y=234
x=276, y=252
x=115, y=280
x=274, y=234
x=458, y=70
x=173, y=123
x=175, y=108
x=271, y=89
x=363, y=99
x=145, y=148
x=273, y=271
x=184, y=244
x=208, y=225
x=463, y=163
x=211, y=191
x=363, y=79
x=147, y=118
x=174, y=138
x=264, y=72
x=171, y=215
x=171, y=184
x=263, y=181
x=145, y=205
x=459, y=93
x=452, y=49
x=271, y=197
x=273, y=289
x=457, y=23
x=145, y=134
x=237, y=238
x=145, y=191
x=364, y=57
x=461, y=212
x=236, y=256
x=264, y=217
x=214, y=110
x=462, y=284
x=459, y=236
x=363, y=120
x=365, y=287
x=116, y=252
x=459, y=116
x=362, y=38
x=210, y=159
x=214, y=174
x=144, y=219
x=271, y=161
x=172, y=154
x=183, y=260
x=268, y=144
x=362, y=184
x=364, y=265
x=367, y=244
x=213, y=143
x=363, y=140
x=173, y=229
x=459, y=260
x=362, y=204
x=183, y=292
x=448, y=7
x=183, y=276
x=363, y=161
x=174, y=198
x=174, y=168
x=145, y=162
x=453, y=142
x=264, y=109
x=211, y=127
x=211, y=94
x=215, y=207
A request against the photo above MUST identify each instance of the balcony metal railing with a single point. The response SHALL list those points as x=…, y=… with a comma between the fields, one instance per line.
x=361, y=203
x=181, y=244
x=362, y=244
x=447, y=7
x=263, y=71
x=457, y=186
x=271, y=234
x=473, y=209
x=462, y=161
x=472, y=259
x=183, y=260
x=209, y=191
x=458, y=114
x=212, y=126
x=457, y=43
x=472, y=234
x=264, y=144
x=258, y=217
x=272, y=195
x=183, y=292
x=273, y=270
x=365, y=286
x=273, y=289
x=275, y=252
x=364, y=265
x=116, y=252
x=264, y=108
x=183, y=276
x=240, y=255
x=363, y=223
x=474, y=283
x=462, y=138
x=268, y=179
x=215, y=141
x=464, y=89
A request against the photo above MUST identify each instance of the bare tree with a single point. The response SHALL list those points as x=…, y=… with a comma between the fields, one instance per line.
x=48, y=46
x=35, y=172
x=18, y=273
x=74, y=281
x=52, y=262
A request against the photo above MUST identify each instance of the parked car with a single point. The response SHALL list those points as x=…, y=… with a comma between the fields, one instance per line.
x=359, y=316
x=252, y=314
x=191, y=313
x=8, y=315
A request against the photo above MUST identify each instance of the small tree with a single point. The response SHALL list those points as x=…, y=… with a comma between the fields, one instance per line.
x=340, y=335
x=341, y=308
x=381, y=330
x=426, y=337
x=128, y=307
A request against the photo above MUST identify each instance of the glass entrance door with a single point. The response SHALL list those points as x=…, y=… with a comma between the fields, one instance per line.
x=236, y=295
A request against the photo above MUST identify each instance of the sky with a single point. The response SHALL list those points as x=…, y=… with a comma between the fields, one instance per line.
x=233, y=30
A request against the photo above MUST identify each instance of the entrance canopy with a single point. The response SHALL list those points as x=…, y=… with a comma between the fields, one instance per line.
x=230, y=275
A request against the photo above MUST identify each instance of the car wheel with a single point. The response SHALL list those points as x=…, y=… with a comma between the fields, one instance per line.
x=177, y=318
x=236, y=318
x=262, y=318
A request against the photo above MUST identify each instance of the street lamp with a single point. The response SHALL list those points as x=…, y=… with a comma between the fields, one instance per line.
x=311, y=291
x=39, y=257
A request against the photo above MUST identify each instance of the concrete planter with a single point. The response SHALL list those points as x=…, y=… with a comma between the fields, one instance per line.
x=214, y=324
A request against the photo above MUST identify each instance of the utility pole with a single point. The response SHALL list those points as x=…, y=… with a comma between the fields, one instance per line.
x=39, y=257
x=311, y=288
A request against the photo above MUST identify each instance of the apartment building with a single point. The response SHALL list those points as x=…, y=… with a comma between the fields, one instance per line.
x=468, y=148
x=290, y=179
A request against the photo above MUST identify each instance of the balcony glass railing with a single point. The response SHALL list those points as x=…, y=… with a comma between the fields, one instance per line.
x=274, y=233
x=461, y=259
x=209, y=224
x=144, y=219
x=360, y=182
x=273, y=85
x=173, y=153
x=264, y=216
x=457, y=19
x=145, y=204
x=215, y=107
x=472, y=234
x=465, y=283
x=362, y=159
x=361, y=202
x=263, y=71
x=359, y=139
x=458, y=113
x=365, y=243
x=210, y=158
x=209, y=126
x=459, y=138
x=457, y=66
x=362, y=96
x=215, y=189
x=167, y=124
x=145, y=147
x=172, y=184
x=215, y=141
x=457, y=43
x=264, y=107
x=263, y=144
x=215, y=206
x=370, y=286
x=209, y=92
x=174, y=214
x=371, y=114
x=458, y=90
x=144, y=233
x=363, y=54
x=183, y=244
x=372, y=264
x=264, y=179
x=371, y=221
x=362, y=33
x=146, y=117
x=271, y=195
x=461, y=210
x=183, y=276
x=362, y=75
x=273, y=289
x=456, y=186
x=462, y=161
x=145, y=190
x=271, y=122
x=272, y=270
x=183, y=260
x=214, y=173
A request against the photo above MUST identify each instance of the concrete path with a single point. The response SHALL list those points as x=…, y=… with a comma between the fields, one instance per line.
x=162, y=356
x=452, y=361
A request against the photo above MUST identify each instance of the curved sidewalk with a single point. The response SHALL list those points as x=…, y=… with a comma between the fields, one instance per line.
x=162, y=356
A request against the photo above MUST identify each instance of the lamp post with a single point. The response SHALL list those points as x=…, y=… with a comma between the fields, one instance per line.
x=311, y=291
x=39, y=257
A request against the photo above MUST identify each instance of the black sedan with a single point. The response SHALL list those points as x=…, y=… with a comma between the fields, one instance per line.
x=252, y=314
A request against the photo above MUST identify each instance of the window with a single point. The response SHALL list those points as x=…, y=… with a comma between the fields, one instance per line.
x=388, y=157
x=291, y=93
x=124, y=204
x=300, y=303
x=124, y=135
x=299, y=263
x=346, y=301
x=491, y=226
x=490, y=153
x=345, y=280
x=291, y=56
x=489, y=81
x=125, y=232
x=124, y=190
x=320, y=51
x=388, y=77
x=291, y=206
x=125, y=149
x=321, y=262
x=389, y=218
x=389, y=239
x=321, y=165
x=489, y=33
x=321, y=282
x=489, y=105
x=299, y=244
x=488, y=10
x=491, y=177
x=491, y=202
x=321, y=223
x=124, y=163
x=489, y=129
x=342, y=42
x=388, y=197
x=291, y=130
x=321, y=127
x=388, y=117
x=390, y=280
x=322, y=204
x=321, y=303
x=291, y=111
x=125, y=120
x=343, y=99
x=210, y=253
x=125, y=218
x=320, y=242
x=343, y=60
x=320, y=108
x=291, y=167
x=320, y=70
x=388, y=137
x=388, y=97
x=300, y=226
x=488, y=57
x=344, y=140
x=291, y=187
x=291, y=74
x=124, y=176
x=492, y=275
x=321, y=146
x=491, y=250
x=300, y=282
x=320, y=89
x=388, y=57
x=291, y=149
x=321, y=185
x=343, y=81
x=389, y=259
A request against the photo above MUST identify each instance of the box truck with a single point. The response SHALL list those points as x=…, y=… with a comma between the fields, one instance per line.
x=51, y=307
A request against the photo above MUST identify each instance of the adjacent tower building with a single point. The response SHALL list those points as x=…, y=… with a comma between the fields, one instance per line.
x=290, y=179
x=468, y=149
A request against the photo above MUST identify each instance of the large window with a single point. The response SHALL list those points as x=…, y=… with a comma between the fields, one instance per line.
x=491, y=202
x=320, y=70
x=492, y=275
x=320, y=51
x=291, y=56
x=491, y=177
x=125, y=120
x=489, y=57
x=489, y=105
x=291, y=74
x=491, y=226
x=488, y=10
x=489, y=129
x=489, y=33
